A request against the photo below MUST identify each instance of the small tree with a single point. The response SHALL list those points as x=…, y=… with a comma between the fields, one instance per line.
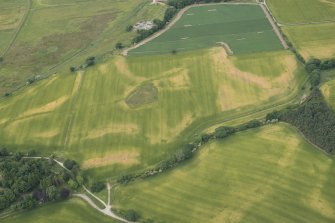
x=72, y=69
x=98, y=186
x=119, y=46
x=129, y=28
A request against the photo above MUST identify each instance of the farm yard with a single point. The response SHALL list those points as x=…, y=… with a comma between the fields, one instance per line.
x=138, y=109
x=244, y=28
x=255, y=176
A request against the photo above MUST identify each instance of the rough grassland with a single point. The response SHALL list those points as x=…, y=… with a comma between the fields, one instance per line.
x=11, y=13
x=328, y=90
x=84, y=116
x=265, y=175
x=57, y=31
x=302, y=11
x=243, y=27
x=71, y=211
x=313, y=40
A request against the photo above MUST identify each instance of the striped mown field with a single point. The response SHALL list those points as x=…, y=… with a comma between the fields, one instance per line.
x=87, y=116
x=244, y=28
x=302, y=11
x=265, y=175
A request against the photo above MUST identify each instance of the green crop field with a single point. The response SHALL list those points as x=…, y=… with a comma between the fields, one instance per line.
x=315, y=40
x=265, y=175
x=302, y=11
x=58, y=34
x=243, y=27
x=87, y=115
x=71, y=211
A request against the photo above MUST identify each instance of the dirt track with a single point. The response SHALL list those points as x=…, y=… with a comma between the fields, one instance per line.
x=274, y=25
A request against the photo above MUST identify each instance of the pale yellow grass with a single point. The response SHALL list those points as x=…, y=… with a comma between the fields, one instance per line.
x=178, y=79
x=47, y=134
x=325, y=51
x=168, y=134
x=122, y=67
x=45, y=108
x=112, y=128
x=124, y=157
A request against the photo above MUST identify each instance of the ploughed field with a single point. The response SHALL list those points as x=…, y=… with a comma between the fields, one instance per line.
x=269, y=174
x=129, y=113
x=244, y=28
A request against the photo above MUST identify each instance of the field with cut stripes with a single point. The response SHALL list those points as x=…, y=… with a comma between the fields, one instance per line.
x=243, y=27
x=265, y=175
x=129, y=113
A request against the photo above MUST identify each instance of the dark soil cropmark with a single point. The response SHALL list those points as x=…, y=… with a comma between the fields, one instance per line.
x=142, y=95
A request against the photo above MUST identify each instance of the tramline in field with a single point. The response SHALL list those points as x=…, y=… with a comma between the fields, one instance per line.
x=244, y=28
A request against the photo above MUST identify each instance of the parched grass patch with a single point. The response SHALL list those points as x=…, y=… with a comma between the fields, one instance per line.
x=142, y=95
x=265, y=175
x=328, y=90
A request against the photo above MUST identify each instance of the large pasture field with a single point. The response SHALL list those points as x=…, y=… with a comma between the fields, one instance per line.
x=302, y=11
x=244, y=28
x=87, y=115
x=55, y=35
x=266, y=175
x=315, y=40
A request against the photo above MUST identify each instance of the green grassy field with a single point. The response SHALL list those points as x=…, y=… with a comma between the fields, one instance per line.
x=328, y=90
x=313, y=40
x=71, y=211
x=302, y=11
x=64, y=34
x=265, y=175
x=85, y=115
x=243, y=27
x=11, y=14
